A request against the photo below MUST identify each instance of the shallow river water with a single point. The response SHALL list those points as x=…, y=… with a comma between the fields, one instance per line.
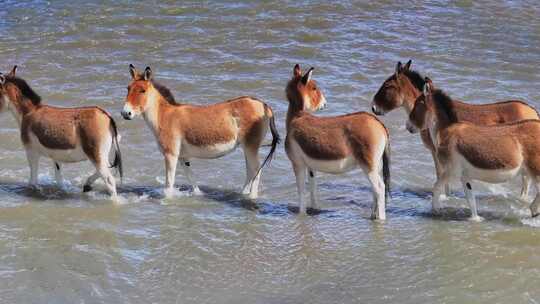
x=63, y=246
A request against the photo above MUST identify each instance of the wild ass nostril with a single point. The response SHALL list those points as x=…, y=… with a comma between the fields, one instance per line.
x=126, y=115
x=376, y=111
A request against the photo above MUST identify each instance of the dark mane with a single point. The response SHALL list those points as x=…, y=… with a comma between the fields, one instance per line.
x=443, y=103
x=25, y=89
x=416, y=79
x=165, y=92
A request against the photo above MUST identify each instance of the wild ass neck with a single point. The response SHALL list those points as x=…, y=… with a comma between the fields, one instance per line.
x=411, y=95
x=21, y=106
x=151, y=115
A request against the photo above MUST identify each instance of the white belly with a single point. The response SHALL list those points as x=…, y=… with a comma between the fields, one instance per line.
x=489, y=176
x=332, y=166
x=63, y=156
x=211, y=151
x=336, y=166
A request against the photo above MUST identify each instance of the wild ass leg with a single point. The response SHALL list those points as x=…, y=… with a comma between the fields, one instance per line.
x=467, y=187
x=438, y=188
x=58, y=174
x=300, y=174
x=91, y=179
x=313, y=189
x=536, y=201
x=377, y=185
x=189, y=175
x=252, y=165
x=428, y=143
x=108, y=178
x=33, y=162
x=170, y=173
x=525, y=186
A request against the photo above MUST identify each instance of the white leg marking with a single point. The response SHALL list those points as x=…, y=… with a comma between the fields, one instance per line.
x=313, y=189
x=170, y=173
x=33, y=162
x=300, y=174
x=467, y=187
x=377, y=184
x=189, y=175
x=58, y=174
x=108, y=178
x=526, y=182
x=252, y=165
x=438, y=188
x=536, y=201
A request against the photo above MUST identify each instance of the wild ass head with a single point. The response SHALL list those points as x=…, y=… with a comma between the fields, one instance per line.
x=398, y=90
x=139, y=93
x=16, y=94
x=144, y=93
x=421, y=116
x=303, y=93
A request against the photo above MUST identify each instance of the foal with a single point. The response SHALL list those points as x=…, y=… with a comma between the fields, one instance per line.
x=491, y=154
x=333, y=144
x=191, y=131
x=404, y=87
x=66, y=135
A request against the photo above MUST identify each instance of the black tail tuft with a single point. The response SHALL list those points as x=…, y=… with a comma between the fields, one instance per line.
x=275, y=141
x=386, y=170
x=117, y=163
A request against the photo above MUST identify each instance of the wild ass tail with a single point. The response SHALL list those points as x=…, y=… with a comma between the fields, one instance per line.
x=117, y=163
x=386, y=169
x=275, y=139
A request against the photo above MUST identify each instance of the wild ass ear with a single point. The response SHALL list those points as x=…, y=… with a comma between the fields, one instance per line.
x=2, y=79
x=428, y=86
x=133, y=71
x=147, y=73
x=13, y=71
x=399, y=67
x=297, y=72
x=307, y=77
x=407, y=65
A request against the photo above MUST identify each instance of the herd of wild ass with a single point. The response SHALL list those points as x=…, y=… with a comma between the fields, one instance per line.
x=489, y=142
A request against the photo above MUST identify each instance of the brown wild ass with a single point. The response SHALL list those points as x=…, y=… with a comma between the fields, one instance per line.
x=404, y=87
x=66, y=135
x=193, y=131
x=333, y=144
x=492, y=154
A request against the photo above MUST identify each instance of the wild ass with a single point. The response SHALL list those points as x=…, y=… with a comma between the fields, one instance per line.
x=66, y=135
x=404, y=87
x=492, y=154
x=188, y=131
x=333, y=144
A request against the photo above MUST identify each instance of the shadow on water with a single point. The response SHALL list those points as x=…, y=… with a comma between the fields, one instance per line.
x=264, y=206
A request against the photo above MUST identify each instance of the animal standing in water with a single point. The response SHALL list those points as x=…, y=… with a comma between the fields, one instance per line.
x=185, y=131
x=404, y=87
x=66, y=135
x=492, y=154
x=335, y=144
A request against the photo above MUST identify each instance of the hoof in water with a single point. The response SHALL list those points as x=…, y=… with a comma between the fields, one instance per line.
x=436, y=212
x=196, y=191
x=476, y=219
x=87, y=188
